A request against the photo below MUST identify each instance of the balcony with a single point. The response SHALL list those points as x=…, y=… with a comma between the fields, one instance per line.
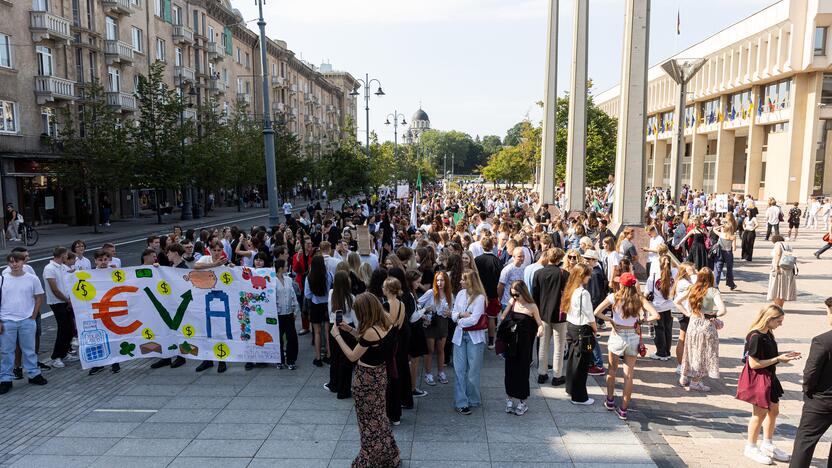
x=182, y=34
x=217, y=86
x=46, y=26
x=278, y=107
x=278, y=81
x=182, y=73
x=52, y=88
x=215, y=51
x=244, y=98
x=293, y=88
x=116, y=51
x=118, y=7
x=121, y=102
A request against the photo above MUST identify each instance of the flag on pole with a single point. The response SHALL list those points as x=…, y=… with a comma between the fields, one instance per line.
x=678, y=23
x=413, y=218
x=419, y=181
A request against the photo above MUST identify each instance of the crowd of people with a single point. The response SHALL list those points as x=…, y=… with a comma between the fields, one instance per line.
x=426, y=293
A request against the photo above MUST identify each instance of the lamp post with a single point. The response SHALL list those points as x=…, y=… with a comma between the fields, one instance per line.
x=187, y=196
x=268, y=131
x=367, y=82
x=395, y=116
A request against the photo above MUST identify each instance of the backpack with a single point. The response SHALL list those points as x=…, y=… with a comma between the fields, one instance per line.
x=787, y=258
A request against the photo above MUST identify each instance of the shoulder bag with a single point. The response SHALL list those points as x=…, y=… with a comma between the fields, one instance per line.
x=754, y=386
x=482, y=323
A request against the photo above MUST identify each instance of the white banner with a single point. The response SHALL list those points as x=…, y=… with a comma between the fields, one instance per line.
x=221, y=314
x=721, y=203
x=402, y=191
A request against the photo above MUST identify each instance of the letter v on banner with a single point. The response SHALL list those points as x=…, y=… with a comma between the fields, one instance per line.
x=172, y=323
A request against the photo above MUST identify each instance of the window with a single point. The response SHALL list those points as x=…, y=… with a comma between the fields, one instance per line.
x=211, y=34
x=666, y=121
x=8, y=117
x=710, y=111
x=775, y=96
x=76, y=13
x=110, y=28
x=136, y=83
x=248, y=63
x=137, y=37
x=239, y=85
x=5, y=51
x=652, y=125
x=739, y=105
x=113, y=79
x=93, y=63
x=158, y=7
x=820, y=40
x=177, y=14
x=160, y=49
x=196, y=22
x=225, y=76
x=48, y=123
x=90, y=15
x=40, y=5
x=178, y=57
x=248, y=88
x=79, y=65
x=44, y=60
x=239, y=56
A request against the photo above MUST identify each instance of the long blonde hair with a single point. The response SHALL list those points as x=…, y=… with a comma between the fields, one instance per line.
x=766, y=314
x=630, y=301
x=696, y=294
x=577, y=275
x=370, y=313
x=475, y=287
x=683, y=273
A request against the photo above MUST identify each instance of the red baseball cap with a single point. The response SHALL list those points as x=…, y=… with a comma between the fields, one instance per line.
x=627, y=279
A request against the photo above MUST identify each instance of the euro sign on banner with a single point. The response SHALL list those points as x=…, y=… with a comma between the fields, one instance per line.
x=221, y=314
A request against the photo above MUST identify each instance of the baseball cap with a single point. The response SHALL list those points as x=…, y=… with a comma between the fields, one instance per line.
x=627, y=279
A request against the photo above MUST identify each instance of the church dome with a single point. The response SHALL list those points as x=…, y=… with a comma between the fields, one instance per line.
x=419, y=115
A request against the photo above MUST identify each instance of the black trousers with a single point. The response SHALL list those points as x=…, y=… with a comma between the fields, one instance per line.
x=748, y=238
x=664, y=334
x=772, y=228
x=63, y=338
x=340, y=368
x=393, y=396
x=288, y=338
x=823, y=249
x=814, y=421
x=579, y=360
x=449, y=346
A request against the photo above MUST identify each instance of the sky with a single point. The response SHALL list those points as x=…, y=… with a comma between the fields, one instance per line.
x=474, y=65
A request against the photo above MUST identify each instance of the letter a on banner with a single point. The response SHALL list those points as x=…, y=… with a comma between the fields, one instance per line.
x=224, y=314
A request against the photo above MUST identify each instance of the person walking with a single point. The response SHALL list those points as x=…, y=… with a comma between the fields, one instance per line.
x=827, y=238
x=549, y=282
x=782, y=285
x=469, y=342
x=749, y=235
x=816, y=416
x=727, y=245
x=774, y=216
x=794, y=221
x=519, y=324
x=287, y=308
x=625, y=340
x=703, y=303
x=658, y=287
x=580, y=333
x=374, y=347
x=759, y=385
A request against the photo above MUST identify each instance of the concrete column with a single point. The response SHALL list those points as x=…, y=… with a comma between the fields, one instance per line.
x=546, y=182
x=805, y=159
x=675, y=175
x=827, y=166
x=756, y=135
x=629, y=158
x=659, y=155
x=576, y=136
x=787, y=66
x=724, y=160
x=749, y=57
x=699, y=148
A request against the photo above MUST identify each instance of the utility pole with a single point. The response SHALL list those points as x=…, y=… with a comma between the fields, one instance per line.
x=268, y=131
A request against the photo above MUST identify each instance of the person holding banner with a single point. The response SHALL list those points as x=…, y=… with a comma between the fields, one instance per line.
x=216, y=259
x=287, y=306
x=103, y=260
x=174, y=253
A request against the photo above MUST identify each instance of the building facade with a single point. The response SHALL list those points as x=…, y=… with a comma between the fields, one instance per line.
x=419, y=124
x=50, y=50
x=758, y=114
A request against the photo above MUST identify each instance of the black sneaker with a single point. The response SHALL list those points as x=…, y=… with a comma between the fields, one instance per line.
x=464, y=410
x=44, y=366
x=325, y=359
x=418, y=393
x=249, y=366
x=18, y=373
x=292, y=367
x=37, y=380
x=281, y=366
x=204, y=365
x=5, y=387
x=556, y=381
x=115, y=368
x=221, y=367
x=317, y=363
x=161, y=363
x=95, y=370
x=542, y=378
x=178, y=361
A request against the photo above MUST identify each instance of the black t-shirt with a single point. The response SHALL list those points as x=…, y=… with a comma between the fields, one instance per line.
x=762, y=346
x=794, y=215
x=489, y=267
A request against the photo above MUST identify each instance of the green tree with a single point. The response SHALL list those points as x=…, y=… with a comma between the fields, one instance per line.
x=246, y=164
x=291, y=162
x=491, y=144
x=210, y=150
x=513, y=134
x=345, y=168
x=511, y=164
x=96, y=146
x=601, y=135
x=465, y=154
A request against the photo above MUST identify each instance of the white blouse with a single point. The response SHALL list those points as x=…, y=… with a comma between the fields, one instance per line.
x=476, y=309
x=580, y=308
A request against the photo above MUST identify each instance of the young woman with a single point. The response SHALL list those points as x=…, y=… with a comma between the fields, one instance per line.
x=287, y=307
x=727, y=245
x=580, y=332
x=418, y=342
x=685, y=278
x=659, y=285
x=627, y=305
x=438, y=303
x=358, y=284
x=469, y=345
x=697, y=253
x=625, y=245
x=78, y=247
x=521, y=321
x=749, y=234
x=378, y=447
x=573, y=256
x=316, y=291
x=703, y=303
x=395, y=313
x=340, y=307
x=762, y=357
x=301, y=262
x=782, y=286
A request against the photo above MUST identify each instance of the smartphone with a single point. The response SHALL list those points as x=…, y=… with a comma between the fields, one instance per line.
x=339, y=317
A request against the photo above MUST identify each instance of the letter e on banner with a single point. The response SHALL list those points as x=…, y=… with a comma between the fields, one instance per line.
x=106, y=315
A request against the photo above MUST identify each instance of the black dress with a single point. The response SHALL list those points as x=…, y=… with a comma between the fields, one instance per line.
x=762, y=346
x=519, y=354
x=698, y=254
x=418, y=342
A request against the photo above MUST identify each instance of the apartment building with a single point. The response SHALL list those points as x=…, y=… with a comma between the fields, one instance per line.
x=758, y=114
x=50, y=50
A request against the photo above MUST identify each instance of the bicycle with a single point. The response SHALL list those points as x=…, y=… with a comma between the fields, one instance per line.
x=28, y=234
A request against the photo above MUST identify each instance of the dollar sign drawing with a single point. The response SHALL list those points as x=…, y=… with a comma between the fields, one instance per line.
x=221, y=351
x=188, y=331
x=147, y=334
x=226, y=278
x=164, y=287
x=83, y=288
x=118, y=276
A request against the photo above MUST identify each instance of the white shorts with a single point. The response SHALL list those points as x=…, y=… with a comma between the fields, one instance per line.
x=623, y=343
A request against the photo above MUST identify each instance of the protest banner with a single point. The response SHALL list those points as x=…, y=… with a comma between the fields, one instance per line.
x=365, y=241
x=721, y=203
x=402, y=191
x=221, y=314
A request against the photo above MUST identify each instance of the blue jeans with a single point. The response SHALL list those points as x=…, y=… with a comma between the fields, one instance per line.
x=15, y=332
x=726, y=261
x=467, y=366
x=597, y=360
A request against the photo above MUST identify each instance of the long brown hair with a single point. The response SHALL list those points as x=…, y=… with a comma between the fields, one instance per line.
x=475, y=287
x=704, y=281
x=449, y=295
x=683, y=273
x=630, y=301
x=369, y=313
x=341, y=297
x=666, y=277
x=577, y=275
x=522, y=290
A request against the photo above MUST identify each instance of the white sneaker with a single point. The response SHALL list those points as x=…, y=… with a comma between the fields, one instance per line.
x=443, y=379
x=656, y=357
x=71, y=358
x=429, y=379
x=588, y=402
x=74, y=342
x=57, y=363
x=775, y=453
x=754, y=453
x=679, y=369
x=522, y=407
x=509, y=406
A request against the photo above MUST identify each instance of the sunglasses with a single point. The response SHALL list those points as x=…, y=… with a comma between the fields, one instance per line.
x=572, y=257
x=515, y=295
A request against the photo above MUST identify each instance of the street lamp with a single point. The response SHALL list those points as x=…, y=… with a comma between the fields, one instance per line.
x=367, y=82
x=268, y=131
x=187, y=199
x=395, y=116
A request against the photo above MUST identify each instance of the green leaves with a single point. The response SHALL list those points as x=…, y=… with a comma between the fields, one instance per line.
x=126, y=349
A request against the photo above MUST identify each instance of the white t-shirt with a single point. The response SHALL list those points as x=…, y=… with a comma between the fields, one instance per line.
x=57, y=272
x=349, y=315
x=616, y=314
x=612, y=260
x=655, y=242
x=19, y=296
x=476, y=249
x=287, y=208
x=653, y=285
x=115, y=262
x=371, y=259
x=83, y=263
x=26, y=269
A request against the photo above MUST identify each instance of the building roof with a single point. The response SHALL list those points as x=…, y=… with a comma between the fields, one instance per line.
x=420, y=115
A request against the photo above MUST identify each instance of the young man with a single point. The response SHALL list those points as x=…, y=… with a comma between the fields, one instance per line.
x=489, y=268
x=18, y=370
x=54, y=279
x=22, y=298
x=115, y=262
x=174, y=253
x=548, y=286
x=817, y=397
x=655, y=241
x=154, y=243
x=216, y=259
x=104, y=260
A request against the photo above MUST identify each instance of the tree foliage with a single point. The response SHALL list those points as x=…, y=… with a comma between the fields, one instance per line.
x=465, y=153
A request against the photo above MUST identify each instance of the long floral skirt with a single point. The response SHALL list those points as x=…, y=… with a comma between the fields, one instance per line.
x=701, y=358
x=378, y=447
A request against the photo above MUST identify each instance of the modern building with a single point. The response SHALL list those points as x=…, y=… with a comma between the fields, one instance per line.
x=758, y=114
x=51, y=50
x=419, y=124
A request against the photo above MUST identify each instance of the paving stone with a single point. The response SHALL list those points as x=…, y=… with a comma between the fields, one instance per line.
x=135, y=402
x=273, y=448
x=288, y=463
x=307, y=432
x=53, y=461
x=314, y=417
x=148, y=447
x=184, y=415
x=609, y=454
x=99, y=429
x=222, y=448
x=152, y=430
x=208, y=462
x=450, y=451
x=75, y=446
x=248, y=416
x=131, y=462
x=190, y=402
x=553, y=451
x=236, y=431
